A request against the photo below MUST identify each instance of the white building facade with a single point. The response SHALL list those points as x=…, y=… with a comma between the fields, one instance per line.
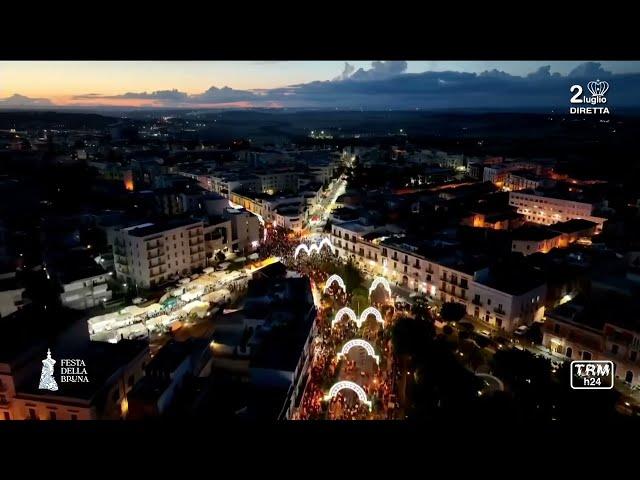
x=548, y=210
x=150, y=255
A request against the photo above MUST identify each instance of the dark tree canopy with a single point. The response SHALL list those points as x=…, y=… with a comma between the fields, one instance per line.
x=452, y=311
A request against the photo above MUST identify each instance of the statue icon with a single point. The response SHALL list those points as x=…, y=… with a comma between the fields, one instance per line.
x=47, y=382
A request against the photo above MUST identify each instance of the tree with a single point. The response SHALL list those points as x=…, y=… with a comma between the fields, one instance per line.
x=453, y=311
x=351, y=275
x=411, y=337
x=359, y=298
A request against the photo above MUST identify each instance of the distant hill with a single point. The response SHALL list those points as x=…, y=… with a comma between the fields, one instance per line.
x=27, y=119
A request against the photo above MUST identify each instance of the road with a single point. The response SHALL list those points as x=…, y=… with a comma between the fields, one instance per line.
x=326, y=205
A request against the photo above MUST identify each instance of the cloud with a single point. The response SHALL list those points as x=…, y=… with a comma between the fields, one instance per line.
x=380, y=70
x=589, y=69
x=388, y=85
x=17, y=100
x=222, y=95
x=175, y=97
x=348, y=70
x=450, y=89
x=543, y=73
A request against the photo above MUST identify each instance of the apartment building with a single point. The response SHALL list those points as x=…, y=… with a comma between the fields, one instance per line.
x=152, y=254
x=522, y=180
x=289, y=211
x=584, y=330
x=504, y=298
x=548, y=210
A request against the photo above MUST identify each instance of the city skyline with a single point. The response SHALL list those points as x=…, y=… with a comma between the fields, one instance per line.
x=308, y=84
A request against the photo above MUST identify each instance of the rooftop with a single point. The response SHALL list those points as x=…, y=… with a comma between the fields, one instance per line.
x=147, y=229
x=600, y=308
x=513, y=278
x=173, y=353
x=534, y=234
x=287, y=307
x=571, y=226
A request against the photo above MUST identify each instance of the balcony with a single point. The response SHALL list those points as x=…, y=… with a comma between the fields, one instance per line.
x=158, y=253
x=161, y=271
x=157, y=263
x=476, y=301
x=117, y=250
x=154, y=244
x=120, y=260
x=499, y=311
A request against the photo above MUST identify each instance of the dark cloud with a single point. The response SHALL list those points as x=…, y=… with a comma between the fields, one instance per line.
x=222, y=95
x=348, y=70
x=175, y=97
x=387, y=85
x=17, y=100
x=589, y=69
x=489, y=89
x=379, y=71
x=543, y=73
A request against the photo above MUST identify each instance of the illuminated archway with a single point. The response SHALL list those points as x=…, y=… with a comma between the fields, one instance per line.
x=327, y=242
x=370, y=311
x=486, y=376
x=314, y=248
x=335, y=278
x=300, y=248
x=342, y=312
x=358, y=342
x=380, y=281
x=347, y=385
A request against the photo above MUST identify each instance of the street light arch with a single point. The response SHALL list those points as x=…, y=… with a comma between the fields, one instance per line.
x=299, y=248
x=358, y=342
x=341, y=313
x=327, y=242
x=370, y=311
x=380, y=281
x=335, y=278
x=347, y=385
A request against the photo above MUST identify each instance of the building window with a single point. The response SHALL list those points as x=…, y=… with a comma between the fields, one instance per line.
x=7, y=416
x=586, y=355
x=556, y=329
x=488, y=301
x=52, y=415
x=32, y=414
x=633, y=356
x=74, y=416
x=614, y=349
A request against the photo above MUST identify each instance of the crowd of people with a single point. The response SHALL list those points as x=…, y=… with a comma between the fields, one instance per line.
x=326, y=367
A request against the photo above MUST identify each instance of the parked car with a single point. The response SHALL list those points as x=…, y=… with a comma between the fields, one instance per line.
x=521, y=330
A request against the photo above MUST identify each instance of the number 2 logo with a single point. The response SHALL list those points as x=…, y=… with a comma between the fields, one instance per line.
x=577, y=93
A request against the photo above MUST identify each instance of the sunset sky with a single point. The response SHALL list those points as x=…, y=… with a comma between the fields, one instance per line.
x=164, y=83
